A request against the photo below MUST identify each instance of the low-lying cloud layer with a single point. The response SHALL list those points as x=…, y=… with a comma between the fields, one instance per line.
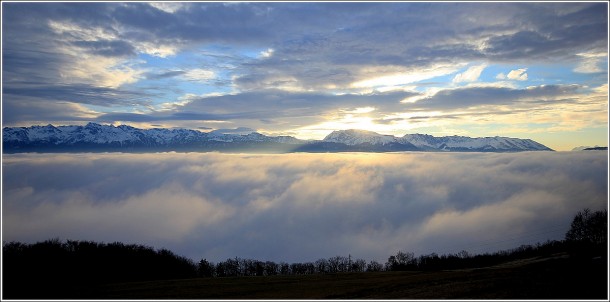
x=301, y=207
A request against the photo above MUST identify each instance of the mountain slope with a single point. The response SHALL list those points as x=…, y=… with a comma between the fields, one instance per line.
x=464, y=143
x=95, y=137
x=425, y=142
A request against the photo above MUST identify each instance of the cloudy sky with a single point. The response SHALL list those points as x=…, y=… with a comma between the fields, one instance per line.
x=302, y=207
x=528, y=70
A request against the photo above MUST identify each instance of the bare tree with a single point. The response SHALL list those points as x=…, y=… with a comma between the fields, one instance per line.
x=589, y=227
x=374, y=266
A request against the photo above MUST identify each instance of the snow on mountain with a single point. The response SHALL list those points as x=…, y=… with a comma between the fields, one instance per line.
x=92, y=136
x=581, y=148
x=427, y=142
x=448, y=143
x=96, y=134
x=355, y=137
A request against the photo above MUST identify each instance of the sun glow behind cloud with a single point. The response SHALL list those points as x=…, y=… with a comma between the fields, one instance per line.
x=393, y=78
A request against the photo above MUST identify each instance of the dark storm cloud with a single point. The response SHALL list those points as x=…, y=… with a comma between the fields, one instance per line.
x=300, y=207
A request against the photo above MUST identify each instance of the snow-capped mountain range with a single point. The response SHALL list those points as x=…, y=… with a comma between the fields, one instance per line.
x=425, y=142
x=96, y=137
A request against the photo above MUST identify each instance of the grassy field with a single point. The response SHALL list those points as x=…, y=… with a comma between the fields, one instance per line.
x=550, y=278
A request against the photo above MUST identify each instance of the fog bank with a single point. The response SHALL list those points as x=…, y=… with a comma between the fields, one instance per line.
x=301, y=207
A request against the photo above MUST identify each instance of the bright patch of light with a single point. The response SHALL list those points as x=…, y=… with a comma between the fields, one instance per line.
x=428, y=93
x=157, y=50
x=470, y=75
x=591, y=62
x=361, y=110
x=396, y=88
x=81, y=33
x=267, y=53
x=402, y=78
x=168, y=7
x=199, y=75
x=103, y=71
x=515, y=75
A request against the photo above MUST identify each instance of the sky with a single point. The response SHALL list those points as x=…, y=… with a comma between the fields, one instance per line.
x=525, y=70
x=302, y=207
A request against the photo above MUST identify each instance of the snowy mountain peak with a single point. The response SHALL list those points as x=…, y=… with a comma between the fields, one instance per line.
x=465, y=143
x=353, y=137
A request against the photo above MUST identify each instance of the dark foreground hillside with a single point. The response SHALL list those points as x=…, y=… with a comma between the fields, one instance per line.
x=555, y=277
x=574, y=268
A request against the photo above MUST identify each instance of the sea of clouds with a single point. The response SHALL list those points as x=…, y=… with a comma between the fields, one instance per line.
x=301, y=207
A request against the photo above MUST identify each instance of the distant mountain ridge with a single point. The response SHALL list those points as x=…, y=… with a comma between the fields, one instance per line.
x=595, y=149
x=95, y=137
x=425, y=142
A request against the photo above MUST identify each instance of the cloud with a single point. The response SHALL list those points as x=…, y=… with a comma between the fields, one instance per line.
x=267, y=53
x=517, y=75
x=477, y=33
x=107, y=48
x=396, y=75
x=591, y=62
x=470, y=75
x=239, y=130
x=300, y=207
x=514, y=75
x=79, y=94
x=25, y=113
x=544, y=40
x=268, y=105
x=198, y=75
x=169, y=7
x=466, y=97
x=164, y=74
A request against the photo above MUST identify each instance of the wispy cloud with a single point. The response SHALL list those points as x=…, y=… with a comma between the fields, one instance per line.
x=591, y=62
x=514, y=75
x=470, y=75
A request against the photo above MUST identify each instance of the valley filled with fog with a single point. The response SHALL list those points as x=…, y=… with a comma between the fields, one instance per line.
x=301, y=207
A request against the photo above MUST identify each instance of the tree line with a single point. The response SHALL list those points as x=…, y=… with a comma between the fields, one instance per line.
x=587, y=237
x=53, y=265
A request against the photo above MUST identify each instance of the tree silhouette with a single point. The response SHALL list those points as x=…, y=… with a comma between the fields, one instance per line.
x=61, y=269
x=588, y=234
x=589, y=227
x=205, y=268
x=374, y=266
x=401, y=261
